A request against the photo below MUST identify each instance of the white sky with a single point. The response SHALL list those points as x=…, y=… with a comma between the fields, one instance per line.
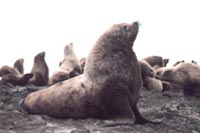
x=170, y=28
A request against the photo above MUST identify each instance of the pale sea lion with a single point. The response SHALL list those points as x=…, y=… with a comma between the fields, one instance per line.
x=69, y=67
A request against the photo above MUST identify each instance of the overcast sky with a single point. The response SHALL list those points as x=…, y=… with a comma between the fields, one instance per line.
x=170, y=28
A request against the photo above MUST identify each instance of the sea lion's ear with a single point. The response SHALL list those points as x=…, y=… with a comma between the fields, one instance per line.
x=165, y=61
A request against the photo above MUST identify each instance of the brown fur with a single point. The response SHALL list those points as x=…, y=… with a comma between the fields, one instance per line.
x=40, y=71
x=19, y=65
x=149, y=82
x=70, y=60
x=60, y=75
x=146, y=69
x=69, y=67
x=15, y=79
x=4, y=70
x=108, y=88
x=156, y=61
x=15, y=75
x=186, y=74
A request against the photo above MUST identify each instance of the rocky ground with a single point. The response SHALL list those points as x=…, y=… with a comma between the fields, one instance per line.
x=178, y=114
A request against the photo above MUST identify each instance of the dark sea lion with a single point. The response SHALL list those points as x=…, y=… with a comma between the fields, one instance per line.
x=108, y=88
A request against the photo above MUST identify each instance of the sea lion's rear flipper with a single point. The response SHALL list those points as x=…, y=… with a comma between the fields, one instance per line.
x=140, y=119
x=122, y=113
x=25, y=79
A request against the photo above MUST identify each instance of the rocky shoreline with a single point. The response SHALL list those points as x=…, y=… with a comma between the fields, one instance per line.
x=178, y=114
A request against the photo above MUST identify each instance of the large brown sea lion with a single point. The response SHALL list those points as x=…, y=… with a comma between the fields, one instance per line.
x=108, y=88
x=40, y=71
x=4, y=70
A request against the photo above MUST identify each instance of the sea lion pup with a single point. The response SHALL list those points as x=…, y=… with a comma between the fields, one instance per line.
x=82, y=63
x=156, y=61
x=40, y=71
x=185, y=74
x=69, y=67
x=108, y=88
x=19, y=65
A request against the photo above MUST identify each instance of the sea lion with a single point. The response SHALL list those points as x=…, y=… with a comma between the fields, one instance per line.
x=69, y=67
x=70, y=60
x=14, y=75
x=108, y=88
x=156, y=61
x=146, y=69
x=40, y=71
x=15, y=79
x=149, y=82
x=4, y=70
x=17, y=68
x=185, y=74
x=61, y=75
x=19, y=65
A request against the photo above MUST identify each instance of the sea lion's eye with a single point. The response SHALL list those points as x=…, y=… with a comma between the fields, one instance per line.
x=126, y=27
